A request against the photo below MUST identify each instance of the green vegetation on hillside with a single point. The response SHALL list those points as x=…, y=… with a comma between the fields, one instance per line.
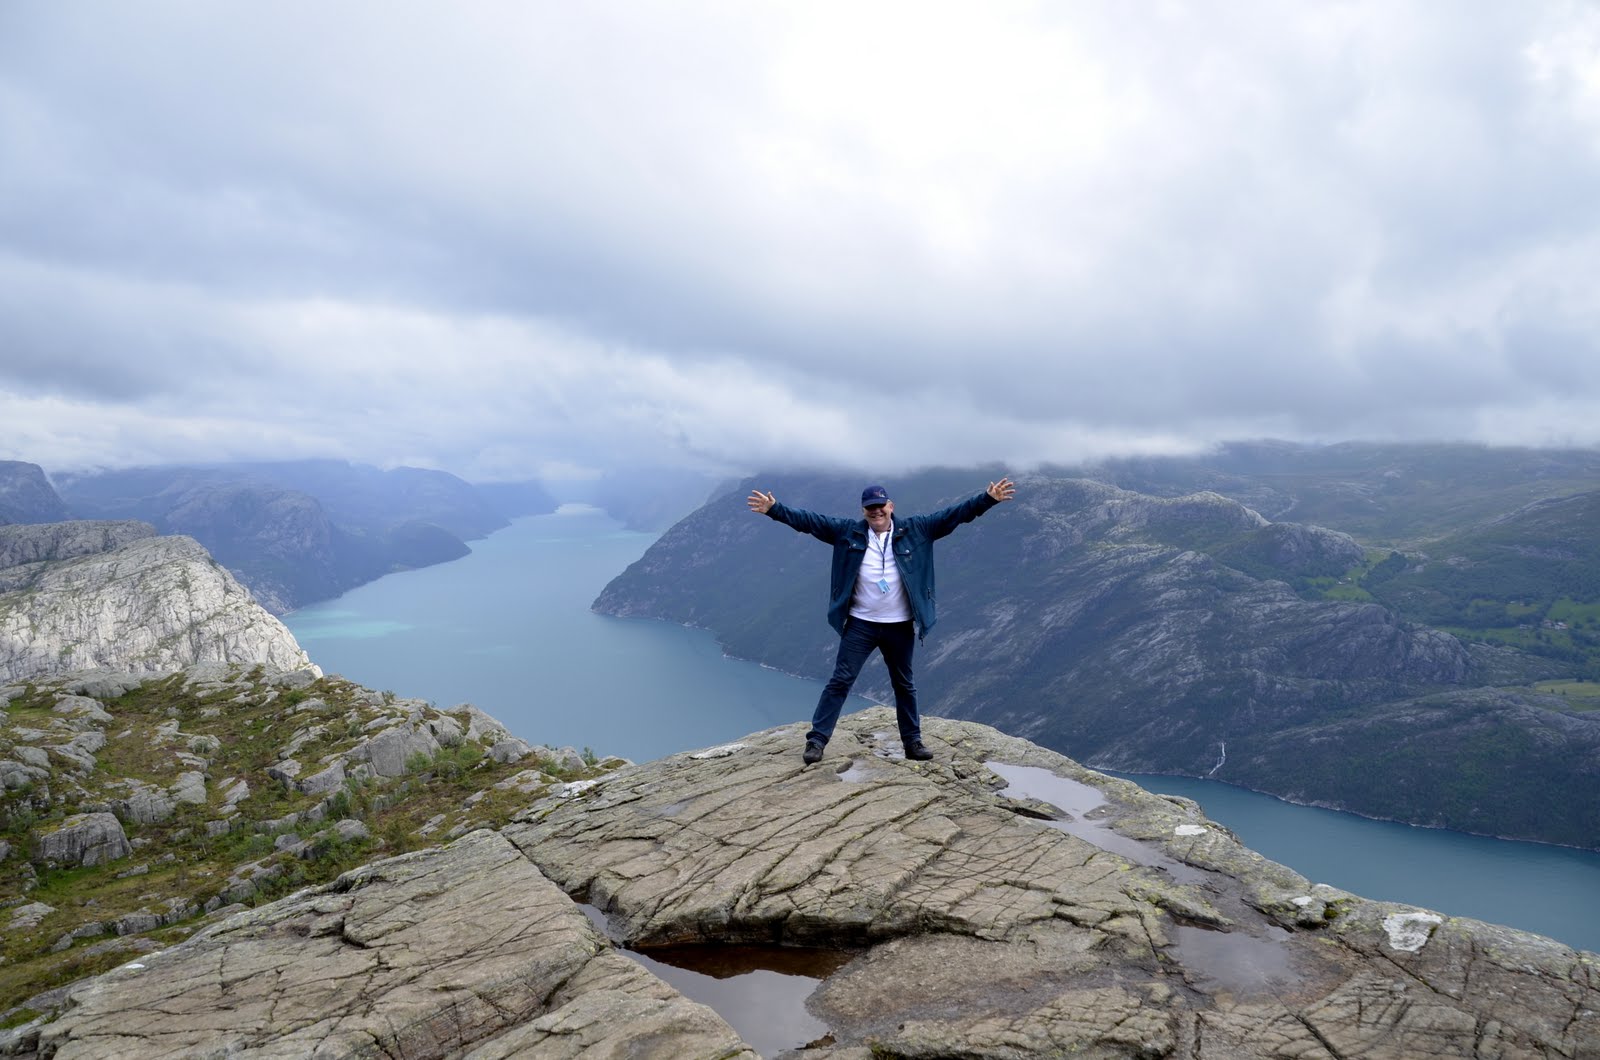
x=212, y=858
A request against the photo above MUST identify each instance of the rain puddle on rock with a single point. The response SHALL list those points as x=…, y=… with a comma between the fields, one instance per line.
x=760, y=991
x=1079, y=799
x=1232, y=961
x=862, y=769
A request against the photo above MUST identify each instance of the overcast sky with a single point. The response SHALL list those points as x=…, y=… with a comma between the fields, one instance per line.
x=521, y=239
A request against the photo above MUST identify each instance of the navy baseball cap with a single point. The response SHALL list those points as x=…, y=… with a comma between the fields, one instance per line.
x=874, y=495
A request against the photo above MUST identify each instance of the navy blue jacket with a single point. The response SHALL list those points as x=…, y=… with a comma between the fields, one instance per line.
x=913, y=552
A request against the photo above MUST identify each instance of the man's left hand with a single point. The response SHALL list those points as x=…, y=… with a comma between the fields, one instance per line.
x=1003, y=490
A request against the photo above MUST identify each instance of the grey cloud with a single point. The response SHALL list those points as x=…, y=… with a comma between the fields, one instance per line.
x=1064, y=226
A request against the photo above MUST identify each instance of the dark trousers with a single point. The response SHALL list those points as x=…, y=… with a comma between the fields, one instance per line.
x=896, y=640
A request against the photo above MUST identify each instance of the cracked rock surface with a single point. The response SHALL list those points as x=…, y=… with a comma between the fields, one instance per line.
x=999, y=902
x=992, y=931
x=464, y=950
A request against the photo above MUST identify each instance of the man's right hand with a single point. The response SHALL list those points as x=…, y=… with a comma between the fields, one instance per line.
x=761, y=503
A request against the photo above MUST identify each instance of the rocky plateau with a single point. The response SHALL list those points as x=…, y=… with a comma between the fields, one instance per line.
x=1001, y=901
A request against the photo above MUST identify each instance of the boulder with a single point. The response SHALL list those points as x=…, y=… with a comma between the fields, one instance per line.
x=15, y=776
x=566, y=760
x=28, y=916
x=234, y=791
x=103, y=684
x=147, y=805
x=330, y=779
x=479, y=724
x=446, y=730
x=82, y=839
x=190, y=787
x=350, y=830
x=389, y=751
x=82, y=708
x=79, y=751
x=33, y=756
x=510, y=749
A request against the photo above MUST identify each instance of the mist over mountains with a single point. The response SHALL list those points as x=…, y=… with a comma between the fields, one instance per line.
x=296, y=532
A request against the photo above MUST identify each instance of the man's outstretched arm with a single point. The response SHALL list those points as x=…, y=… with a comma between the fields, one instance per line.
x=822, y=527
x=943, y=522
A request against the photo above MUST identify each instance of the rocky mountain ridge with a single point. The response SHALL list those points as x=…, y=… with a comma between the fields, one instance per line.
x=298, y=531
x=87, y=595
x=1165, y=634
x=26, y=496
x=999, y=902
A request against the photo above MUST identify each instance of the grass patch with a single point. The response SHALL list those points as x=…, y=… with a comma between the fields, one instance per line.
x=1579, y=695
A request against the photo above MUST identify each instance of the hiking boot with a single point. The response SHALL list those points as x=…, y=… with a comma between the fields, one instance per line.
x=813, y=753
x=918, y=753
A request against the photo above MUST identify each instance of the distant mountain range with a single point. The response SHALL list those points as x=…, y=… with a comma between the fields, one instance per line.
x=295, y=532
x=1409, y=632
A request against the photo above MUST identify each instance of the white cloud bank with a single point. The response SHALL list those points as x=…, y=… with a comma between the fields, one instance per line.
x=511, y=238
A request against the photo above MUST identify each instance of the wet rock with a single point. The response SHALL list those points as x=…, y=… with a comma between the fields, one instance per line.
x=1140, y=932
x=386, y=961
x=1104, y=921
x=83, y=839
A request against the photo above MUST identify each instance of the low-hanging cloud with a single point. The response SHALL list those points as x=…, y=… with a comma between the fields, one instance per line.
x=506, y=238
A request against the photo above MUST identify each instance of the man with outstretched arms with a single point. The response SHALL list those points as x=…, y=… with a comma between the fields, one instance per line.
x=881, y=597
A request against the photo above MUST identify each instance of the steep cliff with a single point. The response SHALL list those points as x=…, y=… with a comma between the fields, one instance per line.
x=26, y=496
x=86, y=595
x=1181, y=634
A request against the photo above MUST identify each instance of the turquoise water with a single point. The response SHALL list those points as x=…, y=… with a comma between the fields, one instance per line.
x=509, y=629
x=1554, y=891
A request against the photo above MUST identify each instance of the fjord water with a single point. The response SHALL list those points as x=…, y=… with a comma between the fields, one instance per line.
x=509, y=629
